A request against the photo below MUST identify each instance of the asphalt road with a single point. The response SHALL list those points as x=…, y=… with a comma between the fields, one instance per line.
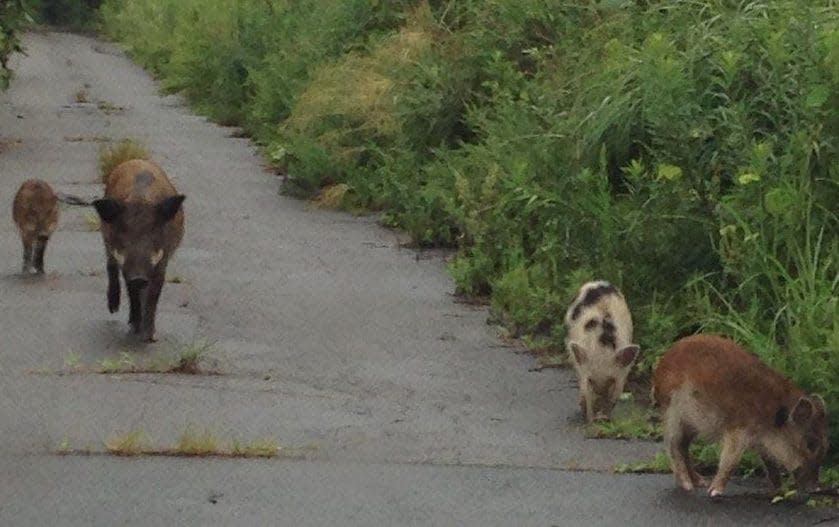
x=395, y=405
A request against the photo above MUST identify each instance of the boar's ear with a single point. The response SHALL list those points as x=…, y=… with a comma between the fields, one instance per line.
x=819, y=402
x=626, y=355
x=803, y=411
x=170, y=206
x=578, y=351
x=108, y=209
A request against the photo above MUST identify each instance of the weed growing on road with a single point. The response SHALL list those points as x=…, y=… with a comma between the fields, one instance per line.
x=629, y=427
x=81, y=96
x=92, y=221
x=189, y=444
x=108, y=108
x=128, y=444
x=112, y=155
x=258, y=448
x=192, y=443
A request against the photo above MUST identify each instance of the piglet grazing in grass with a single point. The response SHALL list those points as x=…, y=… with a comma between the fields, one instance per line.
x=35, y=212
x=709, y=387
x=599, y=340
x=142, y=225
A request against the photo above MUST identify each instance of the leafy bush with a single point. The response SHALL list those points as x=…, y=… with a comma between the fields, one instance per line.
x=686, y=151
x=13, y=19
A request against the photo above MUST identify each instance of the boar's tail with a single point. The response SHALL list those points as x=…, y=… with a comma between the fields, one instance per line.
x=74, y=200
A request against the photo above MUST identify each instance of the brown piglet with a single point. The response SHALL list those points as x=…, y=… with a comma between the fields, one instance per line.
x=709, y=387
x=35, y=212
x=142, y=226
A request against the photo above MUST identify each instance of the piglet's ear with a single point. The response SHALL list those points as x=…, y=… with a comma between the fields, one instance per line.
x=108, y=209
x=579, y=352
x=803, y=411
x=170, y=206
x=627, y=355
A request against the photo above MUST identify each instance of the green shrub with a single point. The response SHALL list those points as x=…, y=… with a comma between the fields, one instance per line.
x=14, y=18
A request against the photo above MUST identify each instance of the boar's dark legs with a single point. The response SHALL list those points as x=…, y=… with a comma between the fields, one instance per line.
x=113, y=285
x=40, y=248
x=27, y=257
x=135, y=302
x=152, y=295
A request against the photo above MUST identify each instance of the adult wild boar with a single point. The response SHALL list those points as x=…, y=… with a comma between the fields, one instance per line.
x=142, y=225
x=35, y=212
x=599, y=341
x=708, y=386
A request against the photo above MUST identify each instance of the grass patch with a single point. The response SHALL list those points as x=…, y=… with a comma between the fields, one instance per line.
x=112, y=155
x=705, y=456
x=109, y=108
x=128, y=444
x=331, y=197
x=192, y=443
x=91, y=220
x=257, y=448
x=81, y=96
x=184, y=359
x=189, y=444
x=640, y=425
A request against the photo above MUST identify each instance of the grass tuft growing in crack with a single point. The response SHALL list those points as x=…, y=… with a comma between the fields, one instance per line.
x=128, y=444
x=190, y=443
x=112, y=155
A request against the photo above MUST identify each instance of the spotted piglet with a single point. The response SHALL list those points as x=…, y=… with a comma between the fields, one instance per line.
x=599, y=341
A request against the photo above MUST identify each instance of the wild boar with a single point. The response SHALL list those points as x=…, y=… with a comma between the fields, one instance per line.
x=142, y=226
x=710, y=387
x=599, y=341
x=35, y=211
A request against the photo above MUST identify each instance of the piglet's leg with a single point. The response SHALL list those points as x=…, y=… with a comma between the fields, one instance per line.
x=773, y=472
x=40, y=249
x=27, y=257
x=734, y=444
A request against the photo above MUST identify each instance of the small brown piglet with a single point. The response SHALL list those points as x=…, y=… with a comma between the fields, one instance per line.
x=35, y=212
x=710, y=387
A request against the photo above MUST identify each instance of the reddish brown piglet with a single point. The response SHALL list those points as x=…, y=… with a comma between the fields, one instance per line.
x=35, y=212
x=710, y=387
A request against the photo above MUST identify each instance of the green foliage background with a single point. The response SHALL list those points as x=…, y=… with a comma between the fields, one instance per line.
x=685, y=150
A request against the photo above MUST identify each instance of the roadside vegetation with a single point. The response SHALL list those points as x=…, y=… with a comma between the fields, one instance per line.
x=686, y=151
x=14, y=18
